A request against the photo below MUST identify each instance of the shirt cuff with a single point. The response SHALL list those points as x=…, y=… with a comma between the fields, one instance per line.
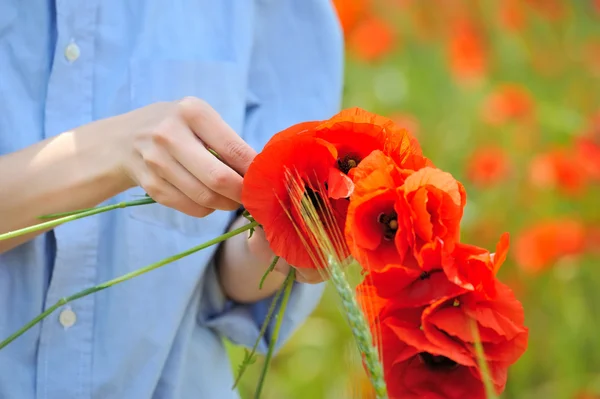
x=241, y=323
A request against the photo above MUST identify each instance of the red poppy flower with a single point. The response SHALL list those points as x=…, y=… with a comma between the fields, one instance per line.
x=372, y=214
x=474, y=268
x=324, y=154
x=356, y=133
x=448, y=325
x=304, y=129
x=394, y=212
x=404, y=287
x=414, y=367
x=488, y=166
x=266, y=192
x=430, y=209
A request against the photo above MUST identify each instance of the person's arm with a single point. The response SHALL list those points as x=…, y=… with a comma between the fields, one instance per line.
x=161, y=147
x=70, y=171
x=296, y=76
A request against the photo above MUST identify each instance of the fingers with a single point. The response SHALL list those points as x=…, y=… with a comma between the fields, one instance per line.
x=207, y=168
x=165, y=166
x=208, y=125
x=166, y=194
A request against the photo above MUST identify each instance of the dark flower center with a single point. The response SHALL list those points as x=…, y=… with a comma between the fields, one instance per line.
x=437, y=363
x=390, y=224
x=424, y=275
x=348, y=162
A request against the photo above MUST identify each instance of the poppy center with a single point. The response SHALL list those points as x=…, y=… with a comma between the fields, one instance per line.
x=437, y=363
x=390, y=224
x=348, y=162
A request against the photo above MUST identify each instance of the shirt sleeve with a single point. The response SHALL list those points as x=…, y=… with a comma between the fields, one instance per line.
x=296, y=75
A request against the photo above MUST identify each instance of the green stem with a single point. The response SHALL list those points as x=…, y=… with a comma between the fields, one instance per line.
x=123, y=278
x=289, y=283
x=104, y=208
x=249, y=357
x=73, y=216
x=490, y=392
x=269, y=270
x=360, y=328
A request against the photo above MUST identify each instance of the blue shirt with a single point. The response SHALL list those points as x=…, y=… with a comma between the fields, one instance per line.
x=263, y=65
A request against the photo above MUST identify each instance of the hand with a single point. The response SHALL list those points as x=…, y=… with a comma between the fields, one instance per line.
x=259, y=247
x=163, y=148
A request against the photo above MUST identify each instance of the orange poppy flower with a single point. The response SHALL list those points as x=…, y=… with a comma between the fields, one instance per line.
x=266, y=193
x=372, y=39
x=542, y=244
x=488, y=166
x=508, y=103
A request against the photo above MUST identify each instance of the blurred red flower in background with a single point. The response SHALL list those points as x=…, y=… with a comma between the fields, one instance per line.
x=588, y=153
x=559, y=168
x=350, y=12
x=553, y=10
x=512, y=14
x=539, y=246
x=488, y=166
x=509, y=102
x=466, y=51
x=372, y=39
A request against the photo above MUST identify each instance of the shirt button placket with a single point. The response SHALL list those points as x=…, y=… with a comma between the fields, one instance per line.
x=66, y=338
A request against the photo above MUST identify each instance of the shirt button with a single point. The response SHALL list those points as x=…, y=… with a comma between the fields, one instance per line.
x=67, y=318
x=72, y=52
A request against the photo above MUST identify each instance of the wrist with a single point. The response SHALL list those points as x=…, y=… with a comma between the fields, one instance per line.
x=102, y=153
x=240, y=269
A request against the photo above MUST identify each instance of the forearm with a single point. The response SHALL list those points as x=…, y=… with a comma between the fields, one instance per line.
x=71, y=171
x=240, y=271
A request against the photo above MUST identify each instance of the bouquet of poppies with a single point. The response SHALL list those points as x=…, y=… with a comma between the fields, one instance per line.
x=430, y=317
